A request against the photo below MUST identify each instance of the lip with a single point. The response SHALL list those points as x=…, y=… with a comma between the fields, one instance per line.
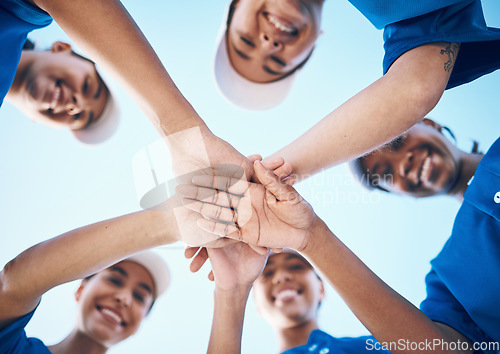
x=112, y=315
x=281, y=26
x=56, y=99
x=285, y=294
x=425, y=170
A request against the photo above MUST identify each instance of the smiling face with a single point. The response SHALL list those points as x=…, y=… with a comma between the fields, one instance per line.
x=420, y=163
x=60, y=89
x=113, y=302
x=267, y=39
x=288, y=292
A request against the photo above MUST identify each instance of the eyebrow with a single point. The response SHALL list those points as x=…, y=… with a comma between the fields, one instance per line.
x=119, y=270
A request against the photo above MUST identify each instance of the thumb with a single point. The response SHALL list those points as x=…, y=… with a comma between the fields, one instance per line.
x=280, y=190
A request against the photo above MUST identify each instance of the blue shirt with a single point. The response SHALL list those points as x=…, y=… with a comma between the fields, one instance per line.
x=413, y=23
x=320, y=342
x=13, y=339
x=17, y=19
x=463, y=287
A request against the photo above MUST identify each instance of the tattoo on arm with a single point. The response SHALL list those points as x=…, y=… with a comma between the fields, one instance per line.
x=451, y=51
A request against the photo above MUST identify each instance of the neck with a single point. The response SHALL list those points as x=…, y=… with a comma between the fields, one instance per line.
x=78, y=343
x=295, y=336
x=467, y=168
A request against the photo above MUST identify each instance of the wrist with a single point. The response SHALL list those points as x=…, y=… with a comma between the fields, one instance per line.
x=165, y=223
x=233, y=294
x=316, y=236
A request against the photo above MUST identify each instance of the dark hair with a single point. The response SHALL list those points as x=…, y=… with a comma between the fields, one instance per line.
x=230, y=13
x=29, y=45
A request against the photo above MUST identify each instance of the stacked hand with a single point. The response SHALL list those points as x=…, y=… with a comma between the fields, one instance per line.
x=271, y=214
x=198, y=153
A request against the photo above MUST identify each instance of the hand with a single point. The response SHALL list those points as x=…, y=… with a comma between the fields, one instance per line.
x=270, y=215
x=196, y=154
x=233, y=267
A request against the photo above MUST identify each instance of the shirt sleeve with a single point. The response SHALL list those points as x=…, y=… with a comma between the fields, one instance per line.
x=13, y=338
x=459, y=23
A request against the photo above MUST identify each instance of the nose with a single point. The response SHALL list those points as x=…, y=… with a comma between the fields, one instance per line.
x=123, y=297
x=76, y=104
x=406, y=167
x=269, y=44
x=281, y=276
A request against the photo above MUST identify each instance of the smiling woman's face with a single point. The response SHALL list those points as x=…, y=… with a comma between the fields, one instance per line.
x=288, y=292
x=113, y=303
x=63, y=90
x=421, y=163
x=268, y=39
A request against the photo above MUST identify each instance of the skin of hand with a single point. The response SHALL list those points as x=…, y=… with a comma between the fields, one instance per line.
x=236, y=265
x=271, y=214
x=187, y=219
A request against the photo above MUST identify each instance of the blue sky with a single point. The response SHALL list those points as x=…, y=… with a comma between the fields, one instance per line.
x=51, y=184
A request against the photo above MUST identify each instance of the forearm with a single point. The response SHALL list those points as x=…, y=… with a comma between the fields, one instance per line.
x=109, y=35
x=227, y=324
x=374, y=116
x=77, y=254
x=386, y=314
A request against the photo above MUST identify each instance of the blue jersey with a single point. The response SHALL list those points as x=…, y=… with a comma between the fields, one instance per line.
x=320, y=342
x=13, y=339
x=413, y=23
x=462, y=287
x=17, y=19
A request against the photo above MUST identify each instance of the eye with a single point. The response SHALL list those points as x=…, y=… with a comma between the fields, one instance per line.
x=85, y=87
x=267, y=273
x=115, y=281
x=247, y=41
x=77, y=116
x=297, y=267
x=139, y=297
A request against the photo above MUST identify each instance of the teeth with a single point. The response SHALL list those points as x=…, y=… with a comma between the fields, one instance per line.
x=282, y=295
x=112, y=315
x=280, y=25
x=57, y=94
x=424, y=175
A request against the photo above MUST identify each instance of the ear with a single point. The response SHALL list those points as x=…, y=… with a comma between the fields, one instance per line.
x=58, y=47
x=79, y=291
x=432, y=124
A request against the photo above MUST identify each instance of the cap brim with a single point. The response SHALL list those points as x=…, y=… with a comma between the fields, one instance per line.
x=241, y=91
x=156, y=266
